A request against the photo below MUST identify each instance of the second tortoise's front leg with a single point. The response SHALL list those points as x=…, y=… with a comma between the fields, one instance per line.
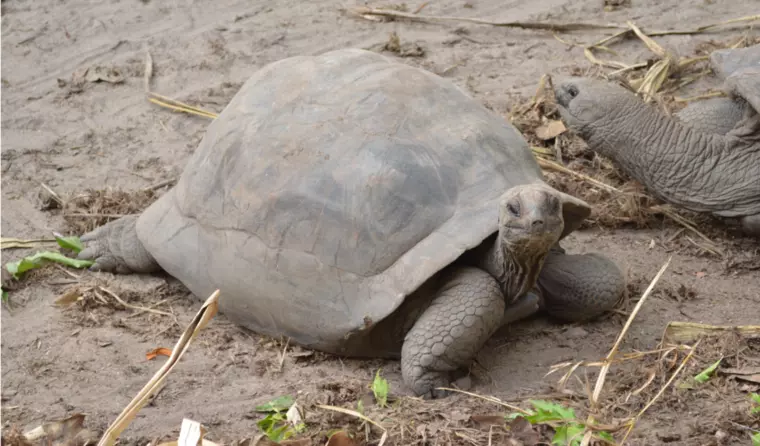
x=116, y=248
x=467, y=309
x=579, y=287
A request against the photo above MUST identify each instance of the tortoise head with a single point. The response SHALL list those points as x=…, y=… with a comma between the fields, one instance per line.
x=530, y=219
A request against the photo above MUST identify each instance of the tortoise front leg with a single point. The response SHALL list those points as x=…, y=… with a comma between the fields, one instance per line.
x=466, y=310
x=576, y=288
x=115, y=247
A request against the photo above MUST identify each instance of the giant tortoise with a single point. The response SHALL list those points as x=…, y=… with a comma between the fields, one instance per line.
x=366, y=208
x=706, y=158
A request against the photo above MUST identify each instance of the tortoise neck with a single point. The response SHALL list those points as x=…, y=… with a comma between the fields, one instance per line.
x=514, y=267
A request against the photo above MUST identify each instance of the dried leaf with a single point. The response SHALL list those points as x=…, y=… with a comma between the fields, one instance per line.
x=16, y=243
x=488, y=420
x=97, y=74
x=742, y=371
x=158, y=351
x=651, y=44
x=191, y=433
x=65, y=432
x=294, y=415
x=551, y=129
x=685, y=332
x=201, y=319
x=748, y=374
x=340, y=438
x=69, y=297
x=750, y=378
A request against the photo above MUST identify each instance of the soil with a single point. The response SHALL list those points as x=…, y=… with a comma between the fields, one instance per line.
x=91, y=137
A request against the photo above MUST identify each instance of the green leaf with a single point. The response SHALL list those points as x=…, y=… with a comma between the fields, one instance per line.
x=275, y=427
x=755, y=407
x=707, y=373
x=606, y=436
x=564, y=413
x=73, y=243
x=380, y=389
x=548, y=411
x=756, y=439
x=568, y=435
x=279, y=404
x=5, y=296
x=37, y=260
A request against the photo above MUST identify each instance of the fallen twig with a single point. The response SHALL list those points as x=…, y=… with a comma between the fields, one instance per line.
x=166, y=102
x=199, y=322
x=363, y=11
x=366, y=11
x=606, y=367
x=680, y=332
x=133, y=307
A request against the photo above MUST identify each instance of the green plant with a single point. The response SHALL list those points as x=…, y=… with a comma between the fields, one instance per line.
x=19, y=267
x=568, y=431
x=705, y=374
x=280, y=424
x=380, y=389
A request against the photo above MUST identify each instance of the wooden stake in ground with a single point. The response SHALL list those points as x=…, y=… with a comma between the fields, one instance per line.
x=199, y=322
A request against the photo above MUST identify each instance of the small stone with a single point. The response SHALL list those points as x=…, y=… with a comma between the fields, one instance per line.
x=575, y=333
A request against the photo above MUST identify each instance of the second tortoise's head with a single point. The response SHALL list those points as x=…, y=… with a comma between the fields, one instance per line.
x=590, y=105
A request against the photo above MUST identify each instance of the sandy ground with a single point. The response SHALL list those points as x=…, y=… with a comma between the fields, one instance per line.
x=74, y=135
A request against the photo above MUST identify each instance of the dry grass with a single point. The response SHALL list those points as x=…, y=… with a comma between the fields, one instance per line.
x=92, y=208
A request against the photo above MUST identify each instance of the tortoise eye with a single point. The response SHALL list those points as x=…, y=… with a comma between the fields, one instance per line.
x=514, y=209
x=572, y=91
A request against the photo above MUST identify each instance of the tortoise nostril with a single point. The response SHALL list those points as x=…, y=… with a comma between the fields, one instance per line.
x=537, y=223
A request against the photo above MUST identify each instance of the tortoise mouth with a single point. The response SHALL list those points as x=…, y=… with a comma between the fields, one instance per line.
x=533, y=240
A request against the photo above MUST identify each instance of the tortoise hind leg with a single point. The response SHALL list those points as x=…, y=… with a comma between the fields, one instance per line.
x=116, y=248
x=576, y=288
x=467, y=309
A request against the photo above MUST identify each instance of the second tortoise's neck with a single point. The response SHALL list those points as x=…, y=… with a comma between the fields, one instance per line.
x=676, y=162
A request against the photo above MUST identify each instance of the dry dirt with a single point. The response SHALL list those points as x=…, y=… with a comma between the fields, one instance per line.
x=76, y=135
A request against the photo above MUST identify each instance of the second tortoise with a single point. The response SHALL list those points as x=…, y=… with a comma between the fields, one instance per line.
x=706, y=158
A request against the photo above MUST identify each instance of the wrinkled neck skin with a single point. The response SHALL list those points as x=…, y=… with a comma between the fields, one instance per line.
x=675, y=162
x=515, y=267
